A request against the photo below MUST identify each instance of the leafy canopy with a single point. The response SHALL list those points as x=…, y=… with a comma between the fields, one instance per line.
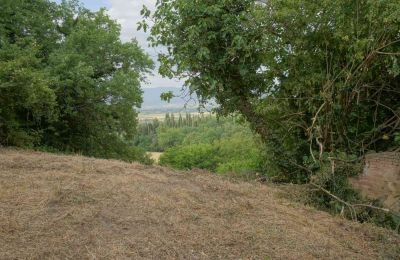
x=66, y=79
x=313, y=78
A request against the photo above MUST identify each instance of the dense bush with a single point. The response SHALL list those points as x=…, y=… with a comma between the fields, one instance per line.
x=202, y=156
x=239, y=153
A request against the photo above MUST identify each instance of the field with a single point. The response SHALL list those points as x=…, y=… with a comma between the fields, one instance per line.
x=143, y=117
x=74, y=207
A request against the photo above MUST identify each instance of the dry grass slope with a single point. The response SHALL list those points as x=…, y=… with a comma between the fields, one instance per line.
x=72, y=207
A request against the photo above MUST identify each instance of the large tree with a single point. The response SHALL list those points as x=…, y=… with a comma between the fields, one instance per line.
x=308, y=75
x=66, y=79
x=97, y=83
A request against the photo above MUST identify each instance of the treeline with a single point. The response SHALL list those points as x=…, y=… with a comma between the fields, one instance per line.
x=149, y=132
x=67, y=82
x=187, y=120
x=222, y=145
x=174, y=121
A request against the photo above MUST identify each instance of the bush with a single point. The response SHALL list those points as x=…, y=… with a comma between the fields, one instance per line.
x=202, y=156
x=239, y=153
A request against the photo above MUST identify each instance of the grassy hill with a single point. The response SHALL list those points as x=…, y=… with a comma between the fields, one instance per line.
x=72, y=207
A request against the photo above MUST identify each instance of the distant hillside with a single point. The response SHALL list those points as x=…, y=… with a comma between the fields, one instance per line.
x=74, y=207
x=152, y=100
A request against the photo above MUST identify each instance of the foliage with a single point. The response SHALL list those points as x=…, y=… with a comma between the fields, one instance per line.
x=25, y=95
x=397, y=138
x=157, y=136
x=97, y=84
x=223, y=145
x=200, y=156
x=239, y=153
x=311, y=77
x=67, y=81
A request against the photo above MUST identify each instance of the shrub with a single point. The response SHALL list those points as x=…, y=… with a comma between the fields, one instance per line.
x=202, y=156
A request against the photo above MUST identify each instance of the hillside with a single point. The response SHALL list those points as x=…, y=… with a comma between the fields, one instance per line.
x=182, y=102
x=70, y=207
x=152, y=100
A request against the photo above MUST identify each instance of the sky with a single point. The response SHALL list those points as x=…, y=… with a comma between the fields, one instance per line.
x=127, y=14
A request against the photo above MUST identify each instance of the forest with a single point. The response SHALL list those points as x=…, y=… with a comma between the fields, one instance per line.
x=221, y=145
x=303, y=89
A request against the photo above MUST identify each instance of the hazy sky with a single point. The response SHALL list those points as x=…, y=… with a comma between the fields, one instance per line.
x=127, y=13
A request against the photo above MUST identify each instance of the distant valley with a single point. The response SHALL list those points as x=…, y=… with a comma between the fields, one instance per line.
x=181, y=103
x=152, y=100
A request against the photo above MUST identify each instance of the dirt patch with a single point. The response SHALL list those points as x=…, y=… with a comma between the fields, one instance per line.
x=155, y=156
x=72, y=207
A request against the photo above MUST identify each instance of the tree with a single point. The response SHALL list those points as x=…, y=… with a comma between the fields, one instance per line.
x=311, y=77
x=27, y=36
x=67, y=81
x=97, y=85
